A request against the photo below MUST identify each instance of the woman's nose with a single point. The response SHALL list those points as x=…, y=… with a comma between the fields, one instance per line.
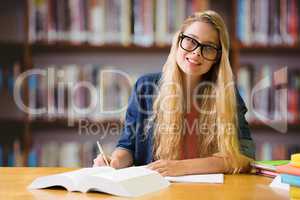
x=197, y=51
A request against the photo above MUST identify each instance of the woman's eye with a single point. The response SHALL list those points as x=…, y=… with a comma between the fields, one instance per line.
x=189, y=39
x=209, y=49
x=193, y=41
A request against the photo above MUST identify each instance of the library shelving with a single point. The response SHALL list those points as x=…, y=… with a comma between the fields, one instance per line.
x=81, y=48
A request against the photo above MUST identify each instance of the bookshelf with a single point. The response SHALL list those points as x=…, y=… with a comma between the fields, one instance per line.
x=88, y=48
x=284, y=49
x=41, y=52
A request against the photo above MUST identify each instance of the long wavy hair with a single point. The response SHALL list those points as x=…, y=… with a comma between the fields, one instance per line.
x=220, y=116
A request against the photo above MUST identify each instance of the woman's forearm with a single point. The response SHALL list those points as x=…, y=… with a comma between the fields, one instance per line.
x=213, y=164
x=204, y=165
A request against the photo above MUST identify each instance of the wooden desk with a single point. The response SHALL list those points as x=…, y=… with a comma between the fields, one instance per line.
x=13, y=183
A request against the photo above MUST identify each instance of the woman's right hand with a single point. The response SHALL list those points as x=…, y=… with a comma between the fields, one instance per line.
x=99, y=161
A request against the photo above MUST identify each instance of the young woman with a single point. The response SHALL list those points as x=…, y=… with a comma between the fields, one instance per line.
x=190, y=118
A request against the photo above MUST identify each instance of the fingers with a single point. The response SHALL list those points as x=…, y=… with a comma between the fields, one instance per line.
x=99, y=161
x=115, y=163
x=156, y=165
x=164, y=173
x=159, y=166
x=161, y=170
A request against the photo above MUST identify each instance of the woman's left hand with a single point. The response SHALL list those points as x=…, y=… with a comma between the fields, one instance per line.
x=167, y=167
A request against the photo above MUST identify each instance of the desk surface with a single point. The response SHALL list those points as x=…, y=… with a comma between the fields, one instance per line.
x=13, y=183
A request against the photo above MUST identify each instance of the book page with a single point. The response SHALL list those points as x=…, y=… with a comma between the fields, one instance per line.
x=78, y=175
x=87, y=171
x=69, y=180
x=201, y=178
x=129, y=182
x=125, y=173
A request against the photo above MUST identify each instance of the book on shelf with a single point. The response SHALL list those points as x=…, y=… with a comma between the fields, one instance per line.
x=1, y=156
x=141, y=22
x=9, y=110
x=8, y=76
x=78, y=91
x=17, y=154
x=11, y=154
x=143, y=16
x=268, y=22
x=266, y=90
x=245, y=82
x=66, y=154
x=129, y=182
x=275, y=151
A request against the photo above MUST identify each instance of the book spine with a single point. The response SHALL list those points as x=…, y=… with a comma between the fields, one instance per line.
x=290, y=179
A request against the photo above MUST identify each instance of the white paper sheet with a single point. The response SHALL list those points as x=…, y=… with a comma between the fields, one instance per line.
x=202, y=178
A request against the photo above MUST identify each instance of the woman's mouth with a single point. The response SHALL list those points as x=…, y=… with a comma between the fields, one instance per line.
x=194, y=62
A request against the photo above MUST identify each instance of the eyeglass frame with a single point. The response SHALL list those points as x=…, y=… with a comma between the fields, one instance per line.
x=182, y=36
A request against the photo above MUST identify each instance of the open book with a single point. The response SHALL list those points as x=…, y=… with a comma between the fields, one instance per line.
x=128, y=182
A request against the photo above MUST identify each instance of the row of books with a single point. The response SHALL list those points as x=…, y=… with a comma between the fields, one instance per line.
x=67, y=154
x=142, y=22
x=275, y=151
x=53, y=154
x=271, y=94
x=268, y=22
x=11, y=155
x=80, y=154
x=8, y=75
x=79, y=91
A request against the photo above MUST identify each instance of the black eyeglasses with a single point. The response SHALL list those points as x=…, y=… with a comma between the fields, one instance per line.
x=208, y=52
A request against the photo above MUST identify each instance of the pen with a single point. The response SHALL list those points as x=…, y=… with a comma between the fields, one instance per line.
x=102, y=153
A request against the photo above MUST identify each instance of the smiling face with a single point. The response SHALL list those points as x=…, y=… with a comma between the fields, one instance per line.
x=192, y=63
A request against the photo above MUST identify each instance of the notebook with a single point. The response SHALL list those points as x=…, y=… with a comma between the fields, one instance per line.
x=290, y=179
x=288, y=169
x=269, y=164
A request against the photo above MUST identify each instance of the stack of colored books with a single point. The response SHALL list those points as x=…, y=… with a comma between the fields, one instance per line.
x=268, y=167
x=290, y=174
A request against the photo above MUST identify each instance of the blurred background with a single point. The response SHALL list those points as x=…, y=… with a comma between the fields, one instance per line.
x=50, y=47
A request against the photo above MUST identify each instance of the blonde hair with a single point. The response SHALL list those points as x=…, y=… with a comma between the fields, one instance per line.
x=224, y=140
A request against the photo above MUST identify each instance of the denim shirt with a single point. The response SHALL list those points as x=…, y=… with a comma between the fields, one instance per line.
x=139, y=144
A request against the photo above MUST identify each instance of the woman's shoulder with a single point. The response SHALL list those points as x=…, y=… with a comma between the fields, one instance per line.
x=147, y=84
x=148, y=78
